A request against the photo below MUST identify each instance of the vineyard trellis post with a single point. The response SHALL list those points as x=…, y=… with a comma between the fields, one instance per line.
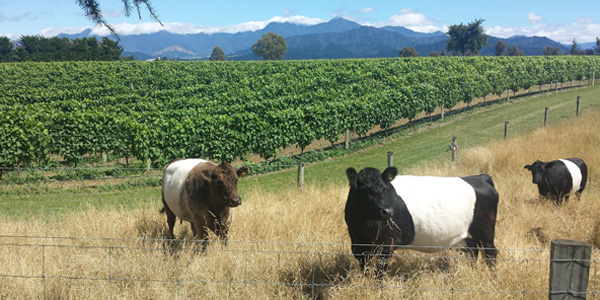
x=301, y=176
x=578, y=105
x=546, y=117
x=505, y=129
x=390, y=159
x=569, y=269
x=347, y=140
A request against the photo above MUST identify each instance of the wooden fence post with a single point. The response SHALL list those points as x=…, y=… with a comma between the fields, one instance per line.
x=569, y=269
x=505, y=129
x=301, y=176
x=453, y=147
x=578, y=105
x=546, y=117
x=390, y=156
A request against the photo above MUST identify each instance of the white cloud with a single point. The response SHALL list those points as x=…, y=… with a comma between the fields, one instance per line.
x=412, y=20
x=583, y=32
x=534, y=19
x=584, y=29
x=367, y=10
x=179, y=28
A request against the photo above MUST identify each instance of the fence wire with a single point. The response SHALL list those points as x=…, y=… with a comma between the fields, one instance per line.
x=112, y=265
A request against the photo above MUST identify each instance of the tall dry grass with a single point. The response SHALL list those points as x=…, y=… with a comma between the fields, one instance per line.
x=292, y=245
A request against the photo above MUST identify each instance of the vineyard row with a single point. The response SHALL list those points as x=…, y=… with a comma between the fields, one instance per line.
x=226, y=110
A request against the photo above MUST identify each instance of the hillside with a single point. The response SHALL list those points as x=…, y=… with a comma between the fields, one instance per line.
x=337, y=38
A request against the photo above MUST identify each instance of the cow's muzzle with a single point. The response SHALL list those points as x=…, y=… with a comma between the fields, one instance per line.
x=233, y=202
x=386, y=213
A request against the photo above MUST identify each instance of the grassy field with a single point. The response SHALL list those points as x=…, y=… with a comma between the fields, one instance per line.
x=291, y=245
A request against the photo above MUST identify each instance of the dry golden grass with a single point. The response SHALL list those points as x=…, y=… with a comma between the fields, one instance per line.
x=292, y=245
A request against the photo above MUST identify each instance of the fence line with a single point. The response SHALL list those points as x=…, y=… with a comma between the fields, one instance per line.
x=115, y=274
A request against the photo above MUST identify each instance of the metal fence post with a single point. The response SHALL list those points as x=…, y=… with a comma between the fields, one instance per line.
x=546, y=117
x=505, y=129
x=578, y=105
x=390, y=158
x=569, y=269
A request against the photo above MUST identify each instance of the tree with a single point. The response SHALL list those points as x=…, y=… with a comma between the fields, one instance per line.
x=515, y=51
x=597, y=47
x=551, y=51
x=6, y=48
x=500, y=47
x=110, y=50
x=467, y=38
x=574, y=48
x=92, y=10
x=271, y=46
x=217, y=54
x=409, y=52
x=434, y=54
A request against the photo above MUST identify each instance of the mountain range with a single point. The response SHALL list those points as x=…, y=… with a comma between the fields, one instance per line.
x=337, y=38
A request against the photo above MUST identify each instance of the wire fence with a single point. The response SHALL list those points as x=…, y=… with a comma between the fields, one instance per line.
x=249, y=269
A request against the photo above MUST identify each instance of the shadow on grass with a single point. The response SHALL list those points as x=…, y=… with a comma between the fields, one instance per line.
x=315, y=274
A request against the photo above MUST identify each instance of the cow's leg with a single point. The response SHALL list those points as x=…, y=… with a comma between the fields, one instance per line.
x=222, y=224
x=471, y=248
x=223, y=232
x=170, y=221
x=487, y=246
x=200, y=233
x=482, y=236
x=490, y=253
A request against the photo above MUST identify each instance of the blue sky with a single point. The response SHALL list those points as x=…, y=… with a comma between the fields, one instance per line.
x=558, y=20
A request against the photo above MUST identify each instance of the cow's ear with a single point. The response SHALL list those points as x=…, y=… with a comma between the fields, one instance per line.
x=528, y=167
x=206, y=175
x=243, y=171
x=389, y=174
x=351, y=173
x=212, y=175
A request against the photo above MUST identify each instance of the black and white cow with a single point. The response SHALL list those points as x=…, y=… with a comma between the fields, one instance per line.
x=559, y=178
x=385, y=211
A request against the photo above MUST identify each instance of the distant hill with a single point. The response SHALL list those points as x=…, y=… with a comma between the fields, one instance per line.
x=338, y=38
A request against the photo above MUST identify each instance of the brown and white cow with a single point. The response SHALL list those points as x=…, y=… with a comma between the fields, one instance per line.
x=202, y=193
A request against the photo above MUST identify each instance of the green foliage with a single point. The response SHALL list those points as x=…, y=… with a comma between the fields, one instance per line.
x=225, y=111
x=515, y=51
x=499, y=48
x=409, y=52
x=217, y=54
x=38, y=48
x=271, y=46
x=551, y=51
x=467, y=39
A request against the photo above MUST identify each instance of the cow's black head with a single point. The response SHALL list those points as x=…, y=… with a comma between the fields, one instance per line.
x=537, y=171
x=372, y=191
x=224, y=178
